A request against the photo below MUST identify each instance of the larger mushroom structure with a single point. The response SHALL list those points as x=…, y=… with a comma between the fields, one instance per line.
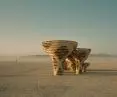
x=58, y=51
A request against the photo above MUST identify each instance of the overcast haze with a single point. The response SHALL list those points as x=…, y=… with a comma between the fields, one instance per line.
x=24, y=24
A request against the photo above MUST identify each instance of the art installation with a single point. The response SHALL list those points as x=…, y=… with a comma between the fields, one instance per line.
x=78, y=56
x=66, y=56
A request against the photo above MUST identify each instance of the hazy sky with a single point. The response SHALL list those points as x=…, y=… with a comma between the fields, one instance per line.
x=24, y=24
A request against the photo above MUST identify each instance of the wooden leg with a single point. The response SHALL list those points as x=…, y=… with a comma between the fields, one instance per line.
x=55, y=66
x=85, y=65
x=60, y=68
x=78, y=67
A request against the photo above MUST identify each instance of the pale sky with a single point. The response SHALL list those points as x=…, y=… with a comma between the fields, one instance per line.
x=24, y=24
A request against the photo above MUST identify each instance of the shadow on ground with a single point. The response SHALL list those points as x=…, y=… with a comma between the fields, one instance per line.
x=95, y=72
x=102, y=72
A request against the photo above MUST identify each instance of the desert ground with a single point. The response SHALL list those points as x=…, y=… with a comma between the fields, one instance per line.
x=32, y=77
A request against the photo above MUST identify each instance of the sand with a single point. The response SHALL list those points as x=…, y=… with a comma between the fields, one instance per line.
x=32, y=77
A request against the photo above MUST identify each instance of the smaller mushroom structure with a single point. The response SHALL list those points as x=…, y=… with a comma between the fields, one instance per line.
x=59, y=51
x=77, y=59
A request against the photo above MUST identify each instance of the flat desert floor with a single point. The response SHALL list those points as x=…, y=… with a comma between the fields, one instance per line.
x=32, y=77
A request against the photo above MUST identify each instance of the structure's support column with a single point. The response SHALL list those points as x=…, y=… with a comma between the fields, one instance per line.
x=78, y=66
x=55, y=65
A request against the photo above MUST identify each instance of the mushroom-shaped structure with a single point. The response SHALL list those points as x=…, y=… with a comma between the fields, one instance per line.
x=58, y=51
x=77, y=59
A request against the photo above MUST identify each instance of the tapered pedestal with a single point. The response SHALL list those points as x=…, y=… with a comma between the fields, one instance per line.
x=58, y=51
x=75, y=61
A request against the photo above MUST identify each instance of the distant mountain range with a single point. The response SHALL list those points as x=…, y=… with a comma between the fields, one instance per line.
x=92, y=55
x=103, y=55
